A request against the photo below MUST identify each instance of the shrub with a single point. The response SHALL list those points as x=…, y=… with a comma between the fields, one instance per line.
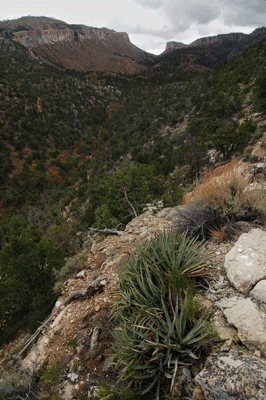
x=249, y=157
x=224, y=197
x=50, y=378
x=160, y=324
x=197, y=219
x=16, y=385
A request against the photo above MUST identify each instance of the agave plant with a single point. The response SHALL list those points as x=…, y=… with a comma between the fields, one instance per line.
x=150, y=346
x=168, y=259
x=160, y=325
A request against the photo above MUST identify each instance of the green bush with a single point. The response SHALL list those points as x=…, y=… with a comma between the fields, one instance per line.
x=160, y=324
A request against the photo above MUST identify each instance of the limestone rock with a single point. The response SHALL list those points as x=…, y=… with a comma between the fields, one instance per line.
x=93, y=392
x=246, y=317
x=232, y=376
x=259, y=291
x=58, y=318
x=245, y=262
x=66, y=391
x=81, y=274
x=73, y=377
x=224, y=330
x=36, y=358
x=259, y=168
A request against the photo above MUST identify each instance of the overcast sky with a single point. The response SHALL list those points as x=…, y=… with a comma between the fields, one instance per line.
x=149, y=23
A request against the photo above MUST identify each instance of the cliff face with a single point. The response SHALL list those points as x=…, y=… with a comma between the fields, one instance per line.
x=77, y=46
x=174, y=45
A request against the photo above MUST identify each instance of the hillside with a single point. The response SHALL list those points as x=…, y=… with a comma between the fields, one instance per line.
x=91, y=150
x=73, y=137
x=77, y=46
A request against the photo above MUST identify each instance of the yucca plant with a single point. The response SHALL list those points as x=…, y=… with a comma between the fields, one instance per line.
x=160, y=326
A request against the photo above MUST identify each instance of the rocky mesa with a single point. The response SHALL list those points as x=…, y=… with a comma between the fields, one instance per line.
x=77, y=47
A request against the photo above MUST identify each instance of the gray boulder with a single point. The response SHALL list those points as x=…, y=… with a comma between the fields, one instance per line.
x=236, y=375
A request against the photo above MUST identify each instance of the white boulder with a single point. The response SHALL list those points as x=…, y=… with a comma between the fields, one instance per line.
x=259, y=291
x=245, y=316
x=245, y=263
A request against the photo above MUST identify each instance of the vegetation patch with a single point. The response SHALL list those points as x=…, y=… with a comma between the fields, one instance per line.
x=160, y=325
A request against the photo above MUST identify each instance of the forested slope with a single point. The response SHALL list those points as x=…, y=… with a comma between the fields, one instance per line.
x=91, y=150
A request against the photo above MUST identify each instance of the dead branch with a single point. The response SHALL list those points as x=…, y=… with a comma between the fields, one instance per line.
x=130, y=204
x=109, y=231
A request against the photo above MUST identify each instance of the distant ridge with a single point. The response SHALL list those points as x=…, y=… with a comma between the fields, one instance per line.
x=86, y=49
x=77, y=47
x=234, y=43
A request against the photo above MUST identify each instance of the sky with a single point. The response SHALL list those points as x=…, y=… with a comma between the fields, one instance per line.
x=150, y=24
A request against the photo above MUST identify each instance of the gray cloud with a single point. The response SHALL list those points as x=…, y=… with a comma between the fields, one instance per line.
x=165, y=33
x=181, y=14
x=202, y=14
x=151, y=3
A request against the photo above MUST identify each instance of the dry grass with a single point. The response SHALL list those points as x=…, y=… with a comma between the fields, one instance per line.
x=224, y=197
x=227, y=189
x=220, y=234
